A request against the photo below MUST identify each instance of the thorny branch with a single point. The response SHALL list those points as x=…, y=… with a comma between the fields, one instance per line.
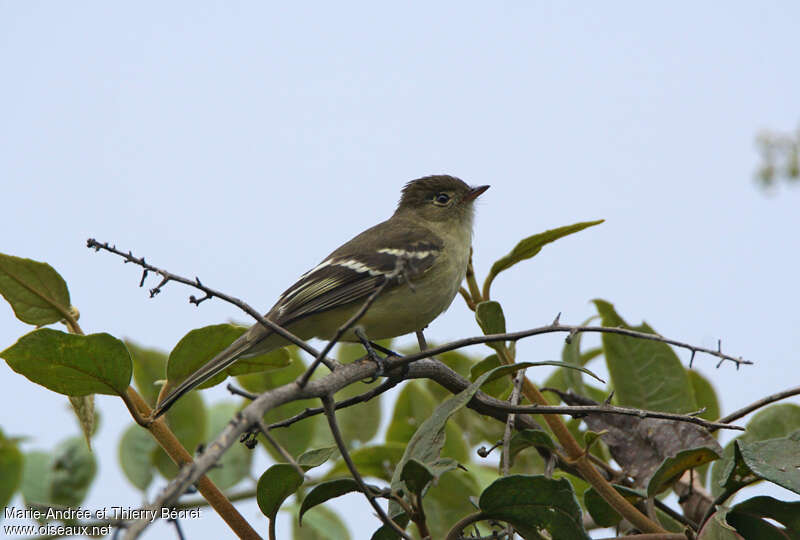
x=166, y=277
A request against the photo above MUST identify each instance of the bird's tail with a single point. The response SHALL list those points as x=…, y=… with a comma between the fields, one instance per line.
x=225, y=358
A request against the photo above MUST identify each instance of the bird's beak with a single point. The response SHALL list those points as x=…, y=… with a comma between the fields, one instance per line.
x=473, y=193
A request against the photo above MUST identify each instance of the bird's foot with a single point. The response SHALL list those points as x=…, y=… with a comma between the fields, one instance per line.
x=370, y=347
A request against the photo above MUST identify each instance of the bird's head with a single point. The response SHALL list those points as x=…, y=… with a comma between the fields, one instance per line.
x=439, y=198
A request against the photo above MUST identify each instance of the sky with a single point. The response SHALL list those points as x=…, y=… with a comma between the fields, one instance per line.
x=242, y=142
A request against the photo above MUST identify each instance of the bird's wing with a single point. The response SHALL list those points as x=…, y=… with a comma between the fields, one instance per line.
x=352, y=272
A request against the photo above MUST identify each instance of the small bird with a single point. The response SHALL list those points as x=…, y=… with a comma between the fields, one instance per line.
x=422, y=250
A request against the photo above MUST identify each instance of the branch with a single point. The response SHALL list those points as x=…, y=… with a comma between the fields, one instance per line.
x=327, y=403
x=166, y=277
x=572, y=330
x=758, y=404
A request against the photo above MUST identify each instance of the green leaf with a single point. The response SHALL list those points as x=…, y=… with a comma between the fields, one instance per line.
x=135, y=451
x=377, y=461
x=531, y=246
x=37, y=473
x=716, y=528
x=331, y=489
x=704, y=395
x=416, y=476
x=235, y=463
x=673, y=467
x=527, y=438
x=11, y=465
x=71, y=364
x=149, y=366
x=188, y=420
x=358, y=423
x=500, y=388
x=775, y=460
x=772, y=422
x=73, y=470
x=413, y=405
x=602, y=513
x=275, y=485
x=316, y=457
x=489, y=315
x=449, y=499
x=37, y=293
x=749, y=518
x=201, y=345
x=321, y=524
x=532, y=503
x=299, y=436
x=83, y=407
x=428, y=440
x=645, y=374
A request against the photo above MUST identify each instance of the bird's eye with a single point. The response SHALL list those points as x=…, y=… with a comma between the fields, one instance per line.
x=441, y=199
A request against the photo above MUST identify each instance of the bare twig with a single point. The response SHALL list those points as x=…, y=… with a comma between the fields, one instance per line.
x=210, y=293
x=264, y=429
x=388, y=384
x=327, y=403
x=553, y=328
x=513, y=400
x=744, y=411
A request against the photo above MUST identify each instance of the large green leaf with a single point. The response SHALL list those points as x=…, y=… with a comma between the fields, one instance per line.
x=750, y=518
x=530, y=246
x=300, y=435
x=11, y=465
x=73, y=470
x=234, y=465
x=499, y=388
x=774, y=460
x=428, y=440
x=274, y=486
x=37, y=473
x=645, y=374
x=328, y=490
x=71, y=364
x=188, y=420
x=200, y=345
x=321, y=524
x=377, y=461
x=149, y=366
x=491, y=319
x=532, y=503
x=136, y=447
x=358, y=423
x=603, y=513
x=674, y=466
x=37, y=293
x=413, y=405
x=772, y=422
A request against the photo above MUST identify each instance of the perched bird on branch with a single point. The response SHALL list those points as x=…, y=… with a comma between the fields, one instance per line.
x=419, y=256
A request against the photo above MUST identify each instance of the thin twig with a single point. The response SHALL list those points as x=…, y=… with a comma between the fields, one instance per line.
x=758, y=404
x=553, y=328
x=580, y=410
x=210, y=293
x=386, y=385
x=513, y=400
x=330, y=413
x=281, y=450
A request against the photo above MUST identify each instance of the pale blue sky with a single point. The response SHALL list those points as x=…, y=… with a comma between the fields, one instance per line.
x=242, y=142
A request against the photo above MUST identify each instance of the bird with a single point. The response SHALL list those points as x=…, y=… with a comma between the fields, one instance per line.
x=422, y=250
